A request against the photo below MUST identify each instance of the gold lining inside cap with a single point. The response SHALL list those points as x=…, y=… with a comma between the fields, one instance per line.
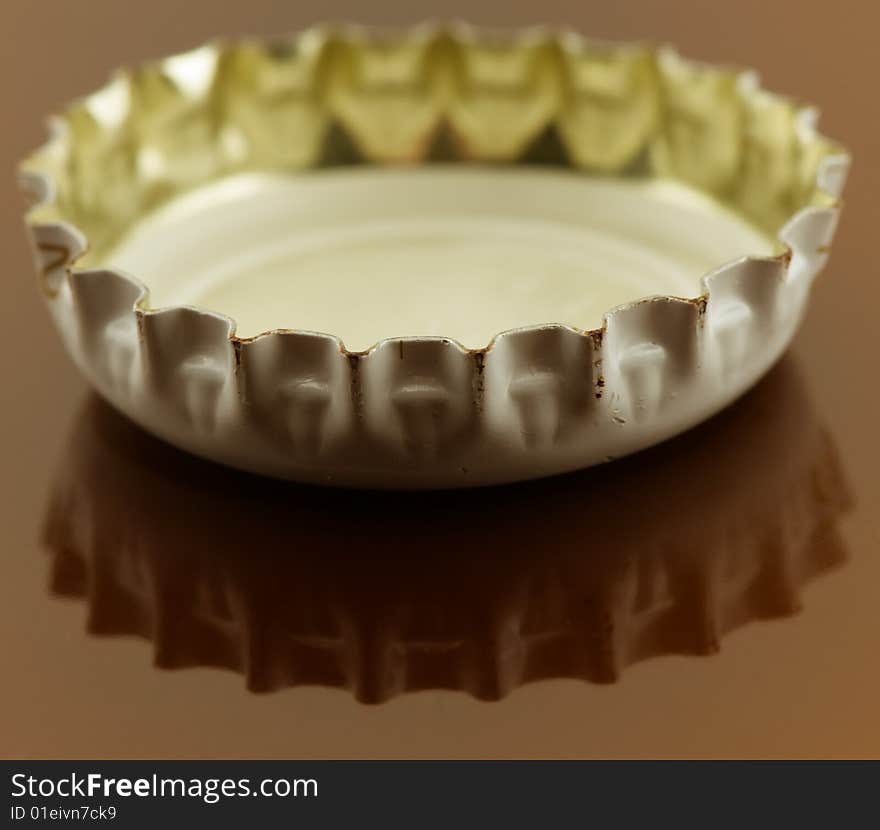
x=342, y=95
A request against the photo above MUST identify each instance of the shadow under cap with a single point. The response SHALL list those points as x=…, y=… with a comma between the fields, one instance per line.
x=578, y=576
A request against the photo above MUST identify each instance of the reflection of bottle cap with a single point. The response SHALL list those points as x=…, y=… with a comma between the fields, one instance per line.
x=577, y=576
x=176, y=174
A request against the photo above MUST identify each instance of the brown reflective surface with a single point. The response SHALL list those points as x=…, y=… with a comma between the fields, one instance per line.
x=517, y=622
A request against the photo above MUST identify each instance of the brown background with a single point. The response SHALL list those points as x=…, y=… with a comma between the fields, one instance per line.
x=804, y=686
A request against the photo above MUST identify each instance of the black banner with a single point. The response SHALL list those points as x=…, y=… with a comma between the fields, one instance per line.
x=436, y=793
